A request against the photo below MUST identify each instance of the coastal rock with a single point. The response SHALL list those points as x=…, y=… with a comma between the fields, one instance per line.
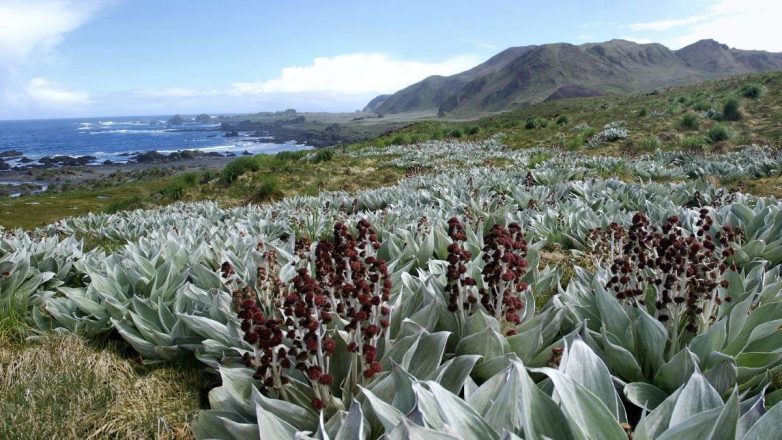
x=177, y=120
x=3, y=165
x=149, y=156
x=66, y=160
x=203, y=118
x=8, y=154
x=185, y=154
x=246, y=153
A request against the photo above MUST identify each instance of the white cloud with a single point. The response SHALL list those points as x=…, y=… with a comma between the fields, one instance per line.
x=358, y=73
x=31, y=27
x=45, y=93
x=745, y=24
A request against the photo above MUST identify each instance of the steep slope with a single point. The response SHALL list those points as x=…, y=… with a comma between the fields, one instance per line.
x=376, y=102
x=521, y=76
x=430, y=93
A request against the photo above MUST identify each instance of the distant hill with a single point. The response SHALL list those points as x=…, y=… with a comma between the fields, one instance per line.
x=376, y=102
x=520, y=76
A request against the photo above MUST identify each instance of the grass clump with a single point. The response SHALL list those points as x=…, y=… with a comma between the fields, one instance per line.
x=472, y=130
x=720, y=133
x=538, y=158
x=291, y=155
x=693, y=144
x=689, y=121
x=575, y=143
x=237, y=167
x=753, y=90
x=13, y=319
x=268, y=188
x=323, y=155
x=562, y=120
x=126, y=204
x=648, y=144
x=731, y=108
x=60, y=387
x=535, y=122
x=455, y=133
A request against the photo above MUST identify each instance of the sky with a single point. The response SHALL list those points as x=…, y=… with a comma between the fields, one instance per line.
x=79, y=58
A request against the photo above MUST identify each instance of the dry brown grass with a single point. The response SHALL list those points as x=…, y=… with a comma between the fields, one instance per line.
x=63, y=388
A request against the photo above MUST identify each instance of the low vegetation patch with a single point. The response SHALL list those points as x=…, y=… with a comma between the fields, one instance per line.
x=60, y=387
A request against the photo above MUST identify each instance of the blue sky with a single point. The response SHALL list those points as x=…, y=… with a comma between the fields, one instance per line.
x=61, y=58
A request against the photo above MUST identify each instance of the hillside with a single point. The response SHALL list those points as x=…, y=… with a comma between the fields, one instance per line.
x=521, y=76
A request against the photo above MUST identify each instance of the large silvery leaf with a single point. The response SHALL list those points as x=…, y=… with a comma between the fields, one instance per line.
x=723, y=376
x=727, y=423
x=410, y=431
x=427, y=355
x=354, y=426
x=303, y=419
x=752, y=410
x=145, y=348
x=619, y=359
x=211, y=329
x=454, y=412
x=487, y=343
x=586, y=414
x=272, y=427
x=764, y=314
x=677, y=371
x=644, y=395
x=582, y=365
x=696, y=427
x=650, y=340
x=696, y=397
x=453, y=373
x=768, y=426
x=386, y=414
x=499, y=400
x=713, y=340
x=659, y=419
x=511, y=401
x=613, y=316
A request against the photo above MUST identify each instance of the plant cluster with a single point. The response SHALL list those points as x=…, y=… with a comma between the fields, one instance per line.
x=300, y=329
x=440, y=307
x=677, y=272
x=611, y=132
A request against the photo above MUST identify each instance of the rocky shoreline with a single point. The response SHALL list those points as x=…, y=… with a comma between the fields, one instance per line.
x=13, y=160
x=27, y=181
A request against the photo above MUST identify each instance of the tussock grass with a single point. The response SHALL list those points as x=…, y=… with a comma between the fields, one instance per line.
x=63, y=388
x=13, y=319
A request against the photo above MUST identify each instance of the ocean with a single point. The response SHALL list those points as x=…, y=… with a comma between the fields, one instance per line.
x=117, y=138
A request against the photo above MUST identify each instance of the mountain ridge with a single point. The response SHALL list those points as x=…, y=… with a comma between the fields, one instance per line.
x=520, y=76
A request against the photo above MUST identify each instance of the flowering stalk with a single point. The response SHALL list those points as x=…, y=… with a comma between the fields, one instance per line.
x=459, y=287
x=504, y=253
x=350, y=291
x=681, y=271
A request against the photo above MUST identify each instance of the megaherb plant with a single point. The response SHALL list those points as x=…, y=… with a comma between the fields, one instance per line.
x=437, y=307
